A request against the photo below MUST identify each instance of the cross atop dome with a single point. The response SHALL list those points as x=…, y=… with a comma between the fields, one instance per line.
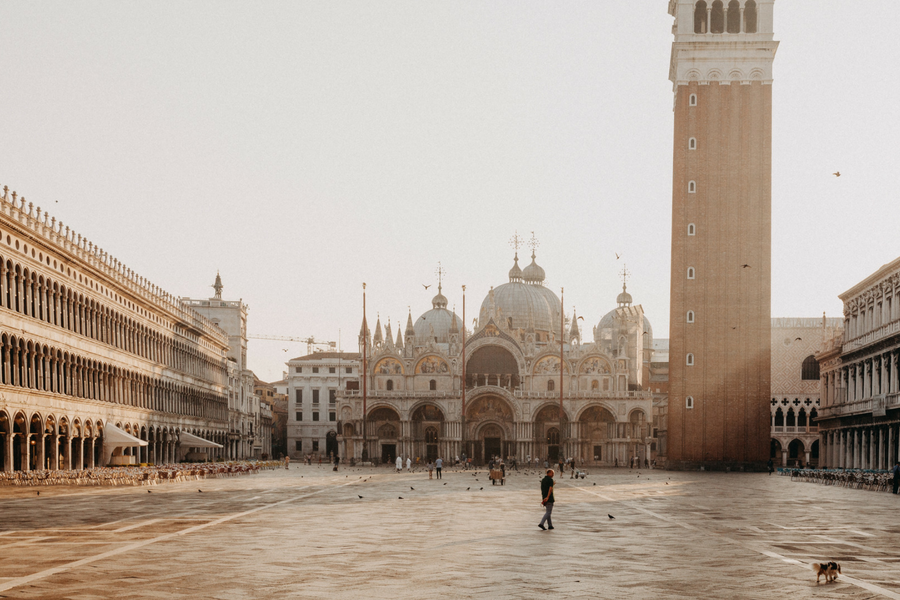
x=624, y=299
x=533, y=243
x=439, y=301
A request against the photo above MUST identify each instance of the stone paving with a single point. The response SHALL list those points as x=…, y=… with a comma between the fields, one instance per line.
x=306, y=533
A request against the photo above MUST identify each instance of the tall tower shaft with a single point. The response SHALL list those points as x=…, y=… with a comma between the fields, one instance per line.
x=720, y=317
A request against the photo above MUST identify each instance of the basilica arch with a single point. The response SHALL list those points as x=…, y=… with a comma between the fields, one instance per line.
x=490, y=421
x=596, y=426
x=383, y=426
x=551, y=426
x=427, y=431
x=494, y=362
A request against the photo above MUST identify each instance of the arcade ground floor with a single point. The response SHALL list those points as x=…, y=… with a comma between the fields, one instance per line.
x=310, y=533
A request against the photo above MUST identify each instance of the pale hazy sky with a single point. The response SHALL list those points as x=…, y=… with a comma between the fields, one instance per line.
x=301, y=148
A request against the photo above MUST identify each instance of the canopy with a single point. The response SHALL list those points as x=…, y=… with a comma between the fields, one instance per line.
x=113, y=436
x=189, y=440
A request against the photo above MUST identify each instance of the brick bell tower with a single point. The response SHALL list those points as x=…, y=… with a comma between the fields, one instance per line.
x=720, y=319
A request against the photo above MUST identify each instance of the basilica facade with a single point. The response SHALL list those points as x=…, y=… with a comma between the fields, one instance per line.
x=522, y=384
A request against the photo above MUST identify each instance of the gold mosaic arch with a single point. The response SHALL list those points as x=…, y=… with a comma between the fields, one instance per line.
x=388, y=366
x=595, y=365
x=549, y=365
x=432, y=365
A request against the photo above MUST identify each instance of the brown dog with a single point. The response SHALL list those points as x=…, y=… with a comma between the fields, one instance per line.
x=829, y=569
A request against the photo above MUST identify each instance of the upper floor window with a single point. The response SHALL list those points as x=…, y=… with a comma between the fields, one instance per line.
x=315, y=396
x=390, y=384
x=690, y=316
x=332, y=396
x=315, y=369
x=348, y=370
x=692, y=144
x=298, y=395
x=690, y=273
x=689, y=402
x=432, y=385
x=692, y=229
x=298, y=369
x=717, y=17
x=692, y=187
x=332, y=369
x=551, y=385
x=701, y=16
x=689, y=360
x=692, y=101
x=734, y=17
x=810, y=369
x=750, y=17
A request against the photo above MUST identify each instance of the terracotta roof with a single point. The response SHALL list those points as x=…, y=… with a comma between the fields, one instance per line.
x=328, y=355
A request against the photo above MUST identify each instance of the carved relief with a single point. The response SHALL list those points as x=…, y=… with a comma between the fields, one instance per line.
x=548, y=366
x=490, y=408
x=594, y=365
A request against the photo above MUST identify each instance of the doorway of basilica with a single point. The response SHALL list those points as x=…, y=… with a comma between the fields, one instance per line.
x=388, y=452
x=492, y=439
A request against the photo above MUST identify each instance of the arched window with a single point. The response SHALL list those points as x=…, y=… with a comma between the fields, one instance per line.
x=692, y=144
x=553, y=437
x=717, y=17
x=551, y=385
x=689, y=360
x=791, y=418
x=432, y=385
x=692, y=101
x=734, y=17
x=690, y=316
x=692, y=229
x=750, y=17
x=431, y=436
x=690, y=273
x=595, y=386
x=801, y=418
x=390, y=384
x=692, y=187
x=700, y=16
x=689, y=402
x=810, y=369
x=779, y=417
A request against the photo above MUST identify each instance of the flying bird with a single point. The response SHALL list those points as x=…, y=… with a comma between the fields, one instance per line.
x=426, y=286
x=617, y=255
x=837, y=174
x=798, y=339
x=284, y=349
x=746, y=267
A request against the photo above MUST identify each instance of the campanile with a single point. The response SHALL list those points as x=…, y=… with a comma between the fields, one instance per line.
x=720, y=318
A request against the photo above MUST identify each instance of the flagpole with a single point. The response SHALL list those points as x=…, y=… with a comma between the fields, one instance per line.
x=562, y=339
x=463, y=435
x=365, y=450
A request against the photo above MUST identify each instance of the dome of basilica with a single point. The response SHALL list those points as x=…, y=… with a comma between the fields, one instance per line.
x=436, y=324
x=521, y=305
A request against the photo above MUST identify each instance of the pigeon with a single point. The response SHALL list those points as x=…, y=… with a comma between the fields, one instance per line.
x=467, y=489
x=39, y=493
x=149, y=492
x=445, y=484
x=837, y=174
x=596, y=484
x=667, y=483
x=412, y=488
x=798, y=339
x=746, y=267
x=610, y=516
x=426, y=286
x=359, y=496
x=480, y=488
x=400, y=497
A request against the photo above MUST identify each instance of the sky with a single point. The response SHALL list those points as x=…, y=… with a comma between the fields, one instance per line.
x=303, y=148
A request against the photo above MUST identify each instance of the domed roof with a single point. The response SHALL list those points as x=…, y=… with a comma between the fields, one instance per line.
x=515, y=274
x=435, y=325
x=525, y=304
x=533, y=273
x=553, y=301
x=624, y=298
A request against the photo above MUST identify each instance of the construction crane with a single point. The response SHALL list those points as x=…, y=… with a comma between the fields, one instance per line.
x=311, y=342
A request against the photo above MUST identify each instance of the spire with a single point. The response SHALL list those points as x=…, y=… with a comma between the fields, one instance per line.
x=388, y=336
x=399, y=344
x=439, y=301
x=217, y=286
x=409, y=326
x=573, y=331
x=378, y=337
x=454, y=329
x=533, y=273
x=515, y=274
x=363, y=330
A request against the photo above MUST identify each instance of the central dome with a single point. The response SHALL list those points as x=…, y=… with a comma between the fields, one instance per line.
x=523, y=303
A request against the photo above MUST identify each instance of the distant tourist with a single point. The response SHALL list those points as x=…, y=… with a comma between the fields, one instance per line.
x=287, y=461
x=896, y=481
x=770, y=466
x=408, y=464
x=439, y=464
x=399, y=463
x=430, y=467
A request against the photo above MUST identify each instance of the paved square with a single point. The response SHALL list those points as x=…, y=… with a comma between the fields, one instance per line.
x=306, y=533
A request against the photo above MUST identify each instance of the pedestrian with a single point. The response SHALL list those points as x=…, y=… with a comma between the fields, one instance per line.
x=547, y=499
x=409, y=464
x=439, y=464
x=465, y=463
x=399, y=463
x=287, y=461
x=503, y=469
x=771, y=467
x=562, y=466
x=896, y=481
x=337, y=461
x=430, y=467
x=528, y=459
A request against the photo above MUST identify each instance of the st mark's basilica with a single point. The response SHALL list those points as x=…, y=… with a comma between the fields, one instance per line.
x=499, y=392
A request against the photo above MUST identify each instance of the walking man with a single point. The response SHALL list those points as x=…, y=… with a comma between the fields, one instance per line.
x=438, y=465
x=547, y=499
x=287, y=461
x=771, y=466
x=399, y=463
x=896, y=481
x=409, y=464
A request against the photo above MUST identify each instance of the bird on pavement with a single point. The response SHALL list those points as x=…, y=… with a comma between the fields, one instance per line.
x=610, y=516
x=746, y=267
x=445, y=484
x=467, y=489
x=798, y=339
x=412, y=488
x=480, y=488
x=149, y=492
x=400, y=497
x=359, y=496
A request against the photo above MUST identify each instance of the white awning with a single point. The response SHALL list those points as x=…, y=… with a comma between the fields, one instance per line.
x=113, y=436
x=189, y=440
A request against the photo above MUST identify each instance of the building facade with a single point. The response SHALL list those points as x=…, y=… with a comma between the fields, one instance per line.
x=719, y=340
x=313, y=384
x=796, y=401
x=244, y=438
x=87, y=343
x=522, y=384
x=859, y=424
x=274, y=404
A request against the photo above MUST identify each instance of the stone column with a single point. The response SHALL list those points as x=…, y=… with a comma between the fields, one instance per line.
x=69, y=453
x=26, y=452
x=54, y=448
x=39, y=458
x=8, y=465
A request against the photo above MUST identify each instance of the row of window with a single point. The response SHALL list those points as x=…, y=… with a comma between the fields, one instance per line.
x=347, y=370
x=298, y=396
x=27, y=364
x=714, y=18
x=29, y=293
x=298, y=416
x=298, y=445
